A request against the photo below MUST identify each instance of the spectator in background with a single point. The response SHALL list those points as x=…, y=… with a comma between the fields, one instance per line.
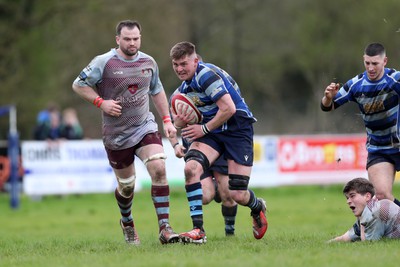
x=70, y=127
x=44, y=115
x=48, y=125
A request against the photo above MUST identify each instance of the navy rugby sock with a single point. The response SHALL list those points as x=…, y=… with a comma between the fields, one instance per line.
x=229, y=214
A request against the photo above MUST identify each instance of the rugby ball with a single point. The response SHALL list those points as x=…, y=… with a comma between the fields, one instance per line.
x=181, y=103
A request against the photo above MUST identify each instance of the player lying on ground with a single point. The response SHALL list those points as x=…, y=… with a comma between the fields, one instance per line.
x=376, y=218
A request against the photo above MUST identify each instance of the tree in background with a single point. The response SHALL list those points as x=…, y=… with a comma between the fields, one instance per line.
x=282, y=52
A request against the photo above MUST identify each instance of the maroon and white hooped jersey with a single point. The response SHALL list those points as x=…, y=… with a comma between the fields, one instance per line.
x=381, y=218
x=130, y=82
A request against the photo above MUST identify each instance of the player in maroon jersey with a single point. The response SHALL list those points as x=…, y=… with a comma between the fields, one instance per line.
x=121, y=83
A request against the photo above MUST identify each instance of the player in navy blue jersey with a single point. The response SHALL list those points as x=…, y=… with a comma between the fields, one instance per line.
x=214, y=183
x=121, y=83
x=226, y=129
x=376, y=92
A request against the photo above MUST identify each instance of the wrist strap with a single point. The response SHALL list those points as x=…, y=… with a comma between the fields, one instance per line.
x=326, y=108
x=98, y=101
x=205, y=129
x=166, y=119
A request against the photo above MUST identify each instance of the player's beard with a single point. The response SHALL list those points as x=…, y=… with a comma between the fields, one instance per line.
x=129, y=52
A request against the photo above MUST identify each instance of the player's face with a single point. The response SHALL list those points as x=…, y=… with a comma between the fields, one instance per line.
x=129, y=41
x=185, y=67
x=375, y=66
x=357, y=202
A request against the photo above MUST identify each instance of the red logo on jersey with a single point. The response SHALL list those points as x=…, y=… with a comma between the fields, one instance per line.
x=133, y=88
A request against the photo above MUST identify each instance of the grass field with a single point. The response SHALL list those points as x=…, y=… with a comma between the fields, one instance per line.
x=83, y=231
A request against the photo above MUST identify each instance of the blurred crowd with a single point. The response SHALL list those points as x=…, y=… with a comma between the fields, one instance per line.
x=53, y=124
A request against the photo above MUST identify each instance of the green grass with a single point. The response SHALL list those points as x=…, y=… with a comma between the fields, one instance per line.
x=83, y=231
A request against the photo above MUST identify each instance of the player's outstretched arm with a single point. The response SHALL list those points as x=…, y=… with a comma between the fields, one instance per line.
x=342, y=238
x=329, y=93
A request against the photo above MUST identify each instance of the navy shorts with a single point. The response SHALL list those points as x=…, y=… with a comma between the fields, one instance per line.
x=235, y=145
x=120, y=159
x=374, y=158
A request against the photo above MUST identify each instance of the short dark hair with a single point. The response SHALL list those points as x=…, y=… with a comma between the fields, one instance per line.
x=374, y=49
x=130, y=24
x=360, y=185
x=182, y=49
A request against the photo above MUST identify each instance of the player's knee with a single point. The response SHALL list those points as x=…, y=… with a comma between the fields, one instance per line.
x=192, y=169
x=158, y=156
x=126, y=185
x=238, y=182
x=198, y=156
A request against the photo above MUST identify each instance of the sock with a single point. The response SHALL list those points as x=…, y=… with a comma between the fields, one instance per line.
x=396, y=201
x=194, y=195
x=229, y=214
x=253, y=203
x=160, y=196
x=125, y=206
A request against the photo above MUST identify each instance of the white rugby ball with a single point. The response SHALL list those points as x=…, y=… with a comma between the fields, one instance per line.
x=182, y=103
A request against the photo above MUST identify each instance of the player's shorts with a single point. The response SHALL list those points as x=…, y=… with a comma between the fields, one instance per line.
x=220, y=166
x=235, y=144
x=374, y=158
x=120, y=159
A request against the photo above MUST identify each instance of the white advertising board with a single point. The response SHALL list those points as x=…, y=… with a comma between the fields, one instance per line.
x=68, y=167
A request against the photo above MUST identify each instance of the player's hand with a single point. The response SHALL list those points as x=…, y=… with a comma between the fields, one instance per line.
x=179, y=151
x=178, y=123
x=192, y=132
x=183, y=117
x=184, y=114
x=331, y=90
x=169, y=130
x=112, y=107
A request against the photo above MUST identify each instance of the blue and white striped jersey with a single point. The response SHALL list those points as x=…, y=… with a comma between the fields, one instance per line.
x=209, y=84
x=378, y=102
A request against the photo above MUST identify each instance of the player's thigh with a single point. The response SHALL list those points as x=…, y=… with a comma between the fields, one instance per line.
x=239, y=169
x=223, y=185
x=381, y=176
x=207, y=149
x=121, y=161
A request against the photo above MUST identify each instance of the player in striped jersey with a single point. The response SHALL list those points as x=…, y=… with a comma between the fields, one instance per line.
x=121, y=83
x=376, y=92
x=376, y=218
x=227, y=128
x=214, y=182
